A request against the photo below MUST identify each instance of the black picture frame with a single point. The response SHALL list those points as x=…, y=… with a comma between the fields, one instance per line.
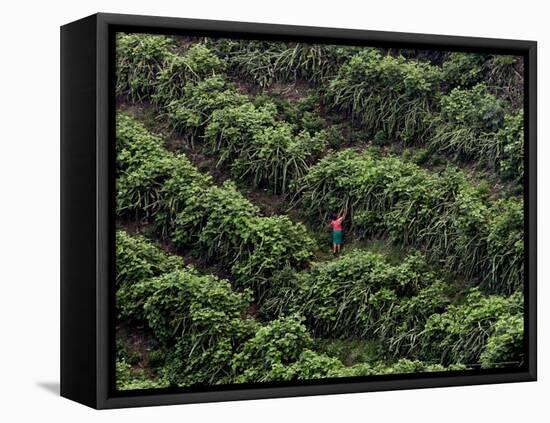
x=87, y=207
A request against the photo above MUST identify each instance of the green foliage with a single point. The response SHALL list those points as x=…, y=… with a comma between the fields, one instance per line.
x=258, y=148
x=186, y=304
x=184, y=184
x=505, y=245
x=230, y=130
x=151, y=181
x=506, y=148
x=360, y=294
x=143, y=164
x=265, y=63
x=196, y=64
x=402, y=366
x=475, y=108
x=504, y=347
x=135, y=145
x=201, y=317
x=353, y=296
x=349, y=351
x=385, y=93
x=192, y=362
x=265, y=356
x=223, y=224
x=312, y=62
x=208, y=330
x=473, y=125
x=406, y=320
x=311, y=365
x=214, y=222
x=139, y=59
x=138, y=259
x=270, y=244
x=462, y=69
x=505, y=76
x=199, y=320
x=276, y=157
x=192, y=110
x=128, y=378
x=138, y=191
x=460, y=334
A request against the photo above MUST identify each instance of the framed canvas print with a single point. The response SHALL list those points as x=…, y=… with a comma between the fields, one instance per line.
x=254, y=211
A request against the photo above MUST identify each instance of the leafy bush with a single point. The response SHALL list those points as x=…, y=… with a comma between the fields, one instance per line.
x=224, y=224
x=138, y=259
x=385, y=93
x=197, y=318
x=139, y=59
x=276, y=157
x=460, y=334
x=138, y=191
x=462, y=69
x=505, y=149
x=252, y=60
x=187, y=304
x=302, y=113
x=259, y=148
x=350, y=181
x=504, y=347
x=143, y=164
x=135, y=145
x=406, y=320
x=184, y=184
x=466, y=124
x=266, y=355
x=351, y=296
x=475, y=108
x=151, y=181
x=190, y=113
x=231, y=129
x=505, y=245
x=270, y=244
x=198, y=63
x=474, y=125
x=312, y=365
x=312, y=62
x=191, y=362
x=215, y=222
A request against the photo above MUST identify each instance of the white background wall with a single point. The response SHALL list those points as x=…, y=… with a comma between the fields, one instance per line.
x=29, y=210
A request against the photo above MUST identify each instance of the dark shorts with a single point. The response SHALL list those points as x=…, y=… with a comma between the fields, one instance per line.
x=337, y=237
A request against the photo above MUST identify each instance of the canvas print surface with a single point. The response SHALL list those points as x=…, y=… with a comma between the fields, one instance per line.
x=289, y=212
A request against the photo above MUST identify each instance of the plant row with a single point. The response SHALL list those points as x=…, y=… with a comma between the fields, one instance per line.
x=406, y=307
x=456, y=222
x=468, y=107
x=403, y=99
x=213, y=221
x=191, y=92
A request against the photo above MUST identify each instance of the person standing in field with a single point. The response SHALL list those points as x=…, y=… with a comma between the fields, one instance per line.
x=337, y=232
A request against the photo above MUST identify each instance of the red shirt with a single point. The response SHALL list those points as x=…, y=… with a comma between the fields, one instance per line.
x=337, y=224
